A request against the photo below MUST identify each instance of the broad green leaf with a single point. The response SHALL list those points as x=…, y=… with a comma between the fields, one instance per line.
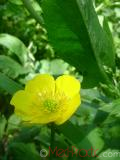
x=81, y=138
x=18, y=2
x=91, y=94
x=78, y=38
x=58, y=67
x=112, y=108
x=95, y=138
x=109, y=35
x=14, y=45
x=73, y=133
x=27, y=134
x=100, y=117
x=110, y=112
x=11, y=67
x=3, y=122
x=54, y=67
x=13, y=123
x=23, y=151
x=114, y=131
x=8, y=84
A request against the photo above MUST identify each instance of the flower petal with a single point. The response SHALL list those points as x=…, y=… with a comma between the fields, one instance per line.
x=45, y=118
x=68, y=85
x=24, y=106
x=41, y=83
x=21, y=100
x=28, y=109
x=68, y=109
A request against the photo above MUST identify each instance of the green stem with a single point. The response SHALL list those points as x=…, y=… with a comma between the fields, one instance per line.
x=52, y=140
x=101, y=6
x=32, y=11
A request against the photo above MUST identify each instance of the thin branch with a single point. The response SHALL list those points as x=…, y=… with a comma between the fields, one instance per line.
x=52, y=139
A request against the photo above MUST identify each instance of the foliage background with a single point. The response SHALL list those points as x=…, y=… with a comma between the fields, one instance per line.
x=26, y=49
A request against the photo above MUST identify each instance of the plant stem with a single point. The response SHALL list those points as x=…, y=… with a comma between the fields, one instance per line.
x=52, y=139
x=32, y=11
x=101, y=6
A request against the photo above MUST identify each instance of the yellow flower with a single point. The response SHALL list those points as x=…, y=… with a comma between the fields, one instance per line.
x=47, y=100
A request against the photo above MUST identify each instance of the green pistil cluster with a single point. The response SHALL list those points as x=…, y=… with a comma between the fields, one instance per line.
x=50, y=104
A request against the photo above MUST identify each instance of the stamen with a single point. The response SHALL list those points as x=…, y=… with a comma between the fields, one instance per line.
x=50, y=104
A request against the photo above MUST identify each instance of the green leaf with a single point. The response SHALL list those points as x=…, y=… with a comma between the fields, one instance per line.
x=54, y=67
x=27, y=134
x=14, y=45
x=13, y=123
x=78, y=38
x=91, y=94
x=82, y=138
x=114, y=131
x=95, y=138
x=3, y=122
x=17, y=2
x=58, y=67
x=109, y=36
x=100, y=117
x=110, y=112
x=73, y=133
x=11, y=67
x=23, y=151
x=9, y=85
x=112, y=108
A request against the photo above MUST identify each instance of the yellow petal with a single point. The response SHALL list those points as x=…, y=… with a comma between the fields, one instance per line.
x=69, y=109
x=45, y=118
x=24, y=105
x=41, y=83
x=21, y=99
x=67, y=85
x=28, y=109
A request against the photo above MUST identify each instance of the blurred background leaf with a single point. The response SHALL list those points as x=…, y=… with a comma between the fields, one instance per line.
x=3, y=123
x=8, y=85
x=18, y=151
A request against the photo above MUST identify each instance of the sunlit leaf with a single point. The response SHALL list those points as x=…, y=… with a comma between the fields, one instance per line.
x=14, y=45
x=18, y=2
x=11, y=67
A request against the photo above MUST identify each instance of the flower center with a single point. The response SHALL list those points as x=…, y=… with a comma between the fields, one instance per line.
x=50, y=104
